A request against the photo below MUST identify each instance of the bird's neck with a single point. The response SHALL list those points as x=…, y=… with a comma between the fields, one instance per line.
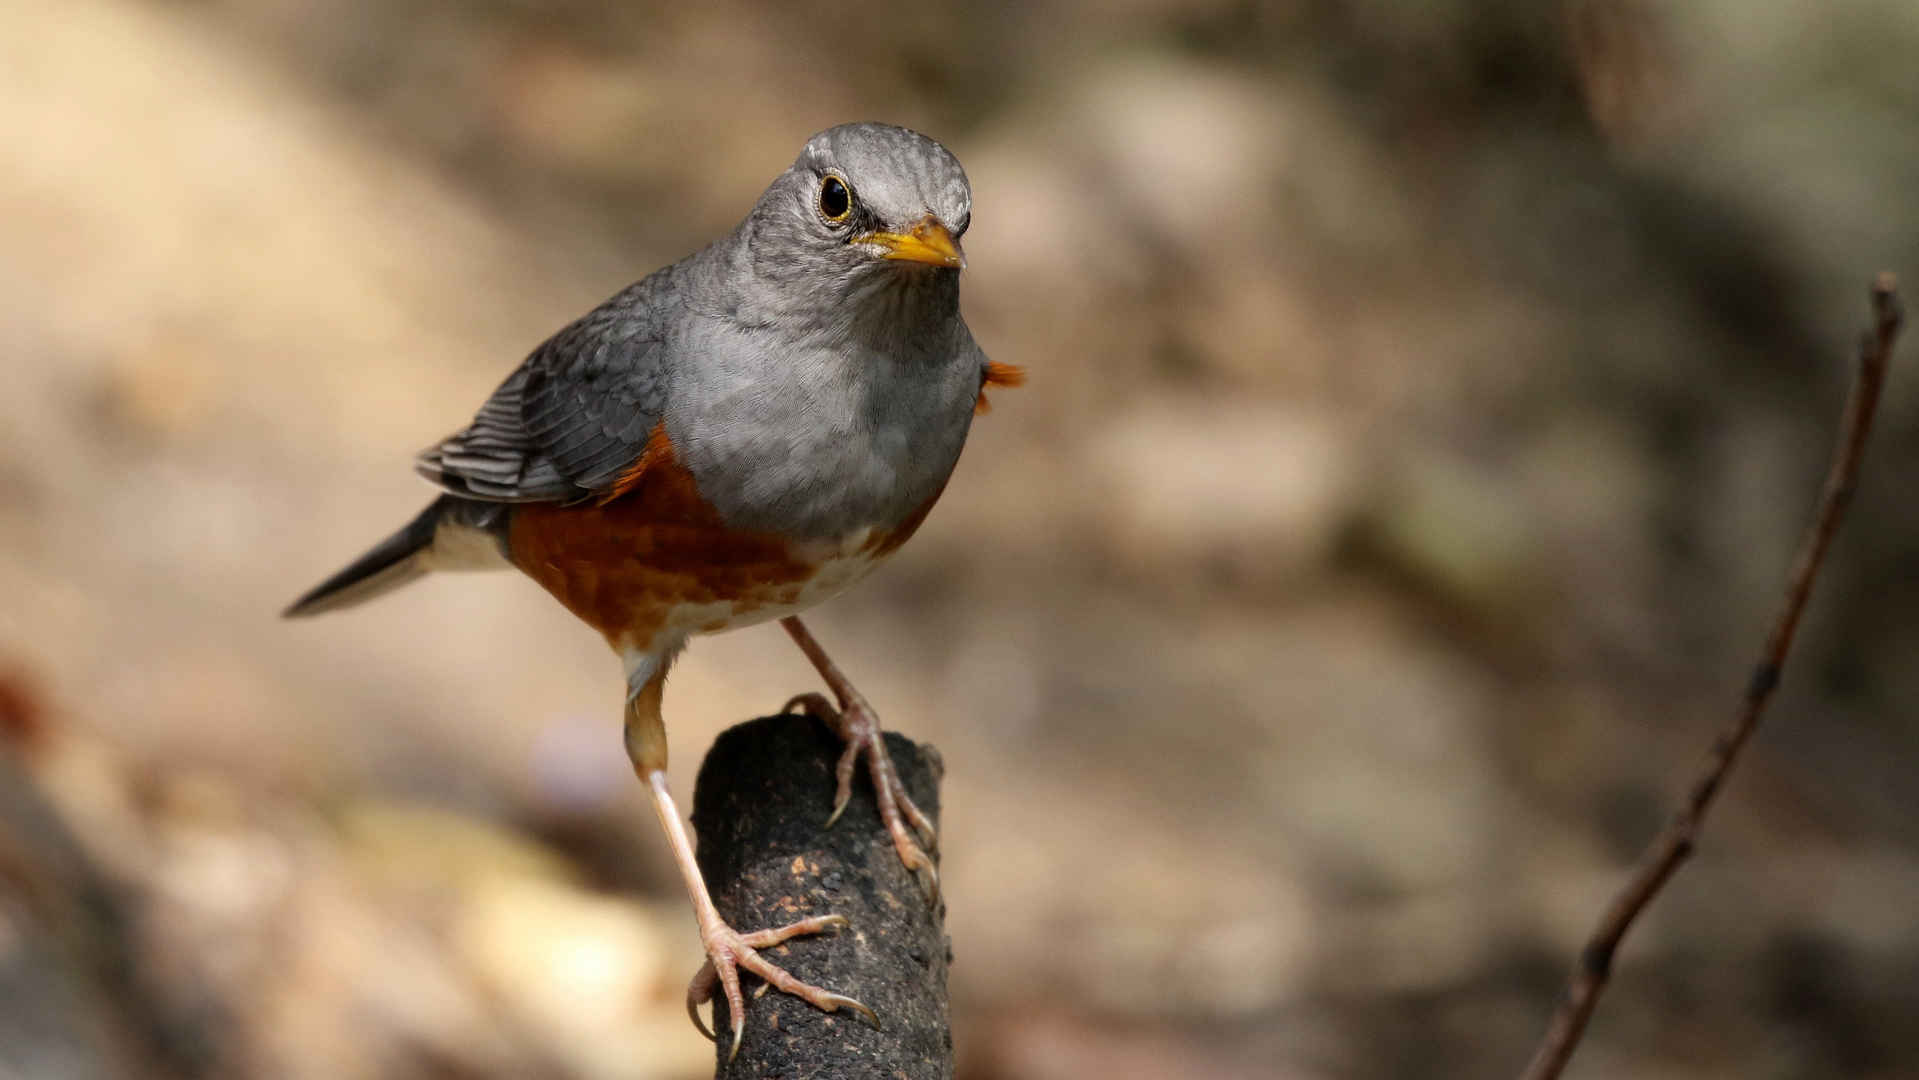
x=897, y=311
x=880, y=307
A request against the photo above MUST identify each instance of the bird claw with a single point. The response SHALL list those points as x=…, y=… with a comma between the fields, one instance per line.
x=728, y=951
x=843, y=1002
x=699, y=992
x=914, y=834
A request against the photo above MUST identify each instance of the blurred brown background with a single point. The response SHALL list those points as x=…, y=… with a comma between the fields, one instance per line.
x=1424, y=401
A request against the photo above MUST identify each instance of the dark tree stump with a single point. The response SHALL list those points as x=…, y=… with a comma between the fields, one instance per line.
x=759, y=808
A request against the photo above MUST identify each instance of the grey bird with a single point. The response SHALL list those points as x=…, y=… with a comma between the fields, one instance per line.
x=731, y=440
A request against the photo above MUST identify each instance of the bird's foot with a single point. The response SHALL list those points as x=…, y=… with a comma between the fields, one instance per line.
x=855, y=723
x=728, y=952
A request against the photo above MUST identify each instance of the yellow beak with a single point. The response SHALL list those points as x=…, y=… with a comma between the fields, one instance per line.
x=928, y=243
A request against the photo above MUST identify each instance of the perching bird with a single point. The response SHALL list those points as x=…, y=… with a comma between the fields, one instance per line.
x=733, y=439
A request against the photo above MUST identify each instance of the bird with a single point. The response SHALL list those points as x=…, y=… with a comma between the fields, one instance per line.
x=731, y=440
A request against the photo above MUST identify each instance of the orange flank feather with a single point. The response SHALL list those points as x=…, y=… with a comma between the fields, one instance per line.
x=659, y=449
x=882, y=544
x=997, y=374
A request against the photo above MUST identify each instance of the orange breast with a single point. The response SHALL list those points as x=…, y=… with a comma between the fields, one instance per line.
x=651, y=551
x=653, y=556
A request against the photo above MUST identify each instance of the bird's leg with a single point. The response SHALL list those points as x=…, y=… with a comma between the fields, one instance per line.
x=856, y=723
x=727, y=950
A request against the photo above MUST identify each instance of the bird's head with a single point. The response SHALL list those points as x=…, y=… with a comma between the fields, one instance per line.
x=866, y=204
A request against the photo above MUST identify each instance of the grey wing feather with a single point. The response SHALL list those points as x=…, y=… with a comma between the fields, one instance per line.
x=571, y=418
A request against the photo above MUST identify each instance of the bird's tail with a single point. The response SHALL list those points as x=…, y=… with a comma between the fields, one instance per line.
x=450, y=534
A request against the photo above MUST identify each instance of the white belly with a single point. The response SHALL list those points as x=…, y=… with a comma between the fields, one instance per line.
x=841, y=564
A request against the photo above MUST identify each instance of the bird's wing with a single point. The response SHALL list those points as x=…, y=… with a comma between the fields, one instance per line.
x=571, y=419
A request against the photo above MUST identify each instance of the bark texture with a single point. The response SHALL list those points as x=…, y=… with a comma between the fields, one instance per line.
x=760, y=808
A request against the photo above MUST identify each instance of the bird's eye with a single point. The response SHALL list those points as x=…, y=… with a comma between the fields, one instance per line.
x=836, y=202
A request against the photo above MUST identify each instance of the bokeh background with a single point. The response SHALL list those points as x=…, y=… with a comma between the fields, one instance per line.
x=1424, y=402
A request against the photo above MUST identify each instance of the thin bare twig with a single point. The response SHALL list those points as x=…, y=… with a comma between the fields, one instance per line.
x=1674, y=843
